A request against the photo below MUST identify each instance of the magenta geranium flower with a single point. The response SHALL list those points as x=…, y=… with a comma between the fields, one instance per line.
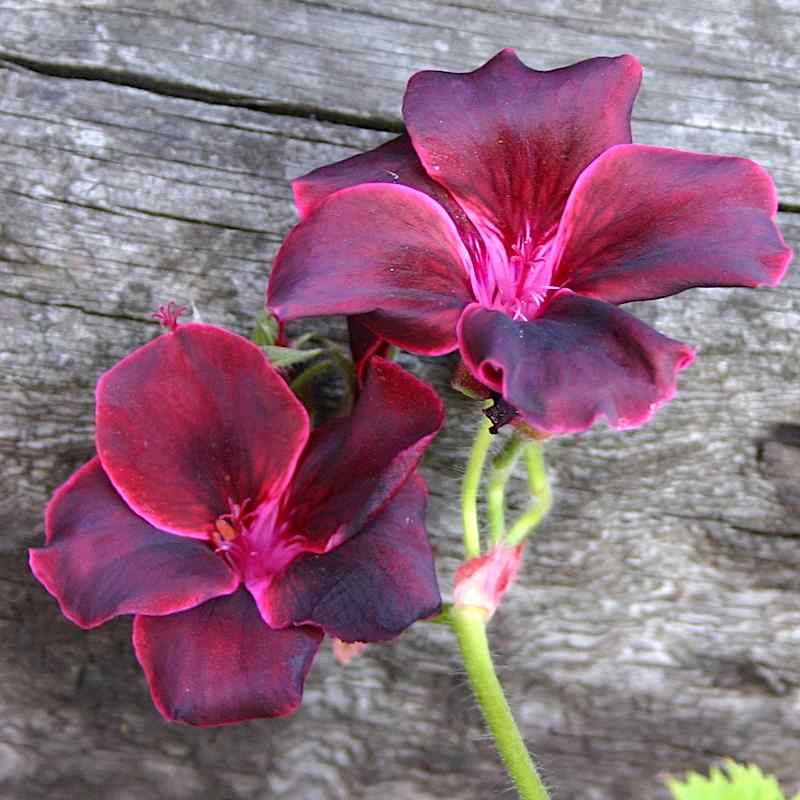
x=512, y=222
x=236, y=536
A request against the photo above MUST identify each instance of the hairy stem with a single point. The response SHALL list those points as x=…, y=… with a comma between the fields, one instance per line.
x=469, y=490
x=470, y=627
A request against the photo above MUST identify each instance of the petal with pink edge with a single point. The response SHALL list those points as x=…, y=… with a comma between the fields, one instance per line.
x=581, y=360
x=509, y=141
x=218, y=663
x=378, y=248
x=372, y=587
x=353, y=466
x=646, y=222
x=101, y=560
x=394, y=162
x=193, y=419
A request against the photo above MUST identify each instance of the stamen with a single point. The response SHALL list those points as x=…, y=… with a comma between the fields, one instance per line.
x=229, y=526
x=225, y=529
x=168, y=315
x=519, y=314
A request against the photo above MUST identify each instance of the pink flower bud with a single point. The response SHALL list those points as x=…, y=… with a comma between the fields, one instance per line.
x=481, y=582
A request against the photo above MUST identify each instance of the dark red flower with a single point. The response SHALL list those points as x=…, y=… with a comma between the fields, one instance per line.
x=236, y=536
x=512, y=221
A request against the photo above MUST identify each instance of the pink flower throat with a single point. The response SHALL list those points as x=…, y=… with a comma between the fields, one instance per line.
x=256, y=543
x=517, y=279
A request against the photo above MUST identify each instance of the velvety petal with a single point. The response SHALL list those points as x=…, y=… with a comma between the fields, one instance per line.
x=509, y=141
x=220, y=663
x=364, y=343
x=581, y=360
x=101, y=560
x=193, y=418
x=392, y=162
x=372, y=587
x=646, y=222
x=354, y=465
x=377, y=248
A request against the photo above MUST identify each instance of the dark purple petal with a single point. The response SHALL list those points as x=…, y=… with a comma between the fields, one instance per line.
x=193, y=419
x=646, y=222
x=364, y=343
x=377, y=248
x=393, y=162
x=220, y=663
x=581, y=360
x=372, y=587
x=509, y=141
x=101, y=560
x=353, y=466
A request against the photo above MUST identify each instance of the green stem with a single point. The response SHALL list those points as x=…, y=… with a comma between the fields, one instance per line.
x=469, y=490
x=470, y=627
x=540, y=489
x=444, y=617
x=502, y=467
x=308, y=375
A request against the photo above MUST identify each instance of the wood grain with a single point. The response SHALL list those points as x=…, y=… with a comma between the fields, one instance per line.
x=146, y=150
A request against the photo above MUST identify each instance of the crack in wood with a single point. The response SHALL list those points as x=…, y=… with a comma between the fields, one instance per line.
x=186, y=91
x=75, y=307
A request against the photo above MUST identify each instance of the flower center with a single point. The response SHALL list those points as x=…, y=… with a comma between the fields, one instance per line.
x=516, y=279
x=525, y=282
x=256, y=542
x=229, y=526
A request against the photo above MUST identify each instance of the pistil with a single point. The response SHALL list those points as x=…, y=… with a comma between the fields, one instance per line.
x=521, y=276
x=169, y=314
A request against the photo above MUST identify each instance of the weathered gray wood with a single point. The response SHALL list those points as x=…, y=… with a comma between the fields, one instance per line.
x=720, y=77
x=657, y=624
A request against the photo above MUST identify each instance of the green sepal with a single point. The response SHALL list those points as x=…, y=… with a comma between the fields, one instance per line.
x=266, y=331
x=281, y=357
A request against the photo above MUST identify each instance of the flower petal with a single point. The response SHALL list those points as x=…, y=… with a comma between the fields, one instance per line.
x=509, y=141
x=581, y=360
x=101, y=560
x=394, y=162
x=193, y=419
x=364, y=343
x=353, y=466
x=378, y=248
x=646, y=222
x=219, y=663
x=372, y=587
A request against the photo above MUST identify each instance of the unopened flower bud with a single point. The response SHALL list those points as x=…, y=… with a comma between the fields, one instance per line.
x=481, y=582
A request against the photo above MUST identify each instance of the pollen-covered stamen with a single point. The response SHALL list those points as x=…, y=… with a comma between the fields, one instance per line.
x=230, y=526
x=169, y=314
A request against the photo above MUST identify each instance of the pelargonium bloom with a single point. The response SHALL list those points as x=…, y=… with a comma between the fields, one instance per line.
x=233, y=533
x=512, y=221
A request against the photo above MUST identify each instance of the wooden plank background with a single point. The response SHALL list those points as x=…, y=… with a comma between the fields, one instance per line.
x=146, y=148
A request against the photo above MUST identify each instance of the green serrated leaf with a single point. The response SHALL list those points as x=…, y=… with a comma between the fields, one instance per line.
x=288, y=356
x=265, y=333
x=736, y=782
